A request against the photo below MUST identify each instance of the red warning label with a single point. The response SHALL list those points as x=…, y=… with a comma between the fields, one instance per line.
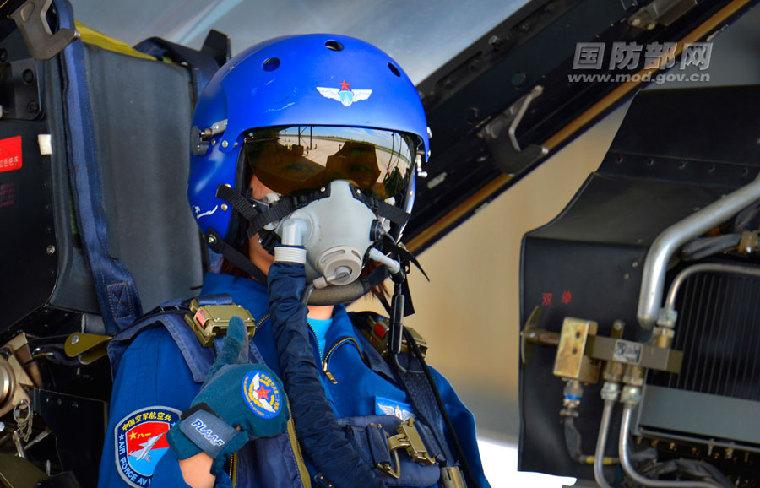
x=10, y=154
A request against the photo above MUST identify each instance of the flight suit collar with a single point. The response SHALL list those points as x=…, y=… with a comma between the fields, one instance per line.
x=253, y=296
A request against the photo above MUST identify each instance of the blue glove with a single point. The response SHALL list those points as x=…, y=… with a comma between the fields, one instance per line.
x=239, y=401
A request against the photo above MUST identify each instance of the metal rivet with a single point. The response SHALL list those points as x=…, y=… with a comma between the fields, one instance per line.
x=322, y=189
x=358, y=192
x=74, y=339
x=228, y=185
x=224, y=207
x=225, y=143
x=211, y=239
x=50, y=249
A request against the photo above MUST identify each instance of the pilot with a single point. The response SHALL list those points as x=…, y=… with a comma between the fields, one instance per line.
x=304, y=156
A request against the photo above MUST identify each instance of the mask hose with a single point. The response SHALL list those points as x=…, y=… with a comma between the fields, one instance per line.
x=335, y=295
x=322, y=439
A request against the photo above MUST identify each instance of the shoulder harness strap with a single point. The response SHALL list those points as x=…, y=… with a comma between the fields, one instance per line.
x=193, y=325
x=374, y=328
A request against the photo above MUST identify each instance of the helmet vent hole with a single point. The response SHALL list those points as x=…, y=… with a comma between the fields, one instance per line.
x=271, y=64
x=394, y=69
x=333, y=45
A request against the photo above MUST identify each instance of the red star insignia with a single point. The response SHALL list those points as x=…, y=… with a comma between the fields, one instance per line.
x=344, y=85
x=263, y=393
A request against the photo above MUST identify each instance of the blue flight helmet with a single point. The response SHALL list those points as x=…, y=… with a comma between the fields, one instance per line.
x=292, y=86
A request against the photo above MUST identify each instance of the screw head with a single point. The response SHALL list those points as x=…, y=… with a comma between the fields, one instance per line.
x=27, y=76
x=225, y=144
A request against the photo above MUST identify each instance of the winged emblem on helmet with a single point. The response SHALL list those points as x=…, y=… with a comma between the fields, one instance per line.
x=345, y=94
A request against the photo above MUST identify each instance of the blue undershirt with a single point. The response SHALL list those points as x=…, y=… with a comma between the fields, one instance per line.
x=320, y=326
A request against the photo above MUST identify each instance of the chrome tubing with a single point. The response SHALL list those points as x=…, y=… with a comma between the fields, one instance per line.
x=601, y=443
x=625, y=461
x=670, y=300
x=670, y=240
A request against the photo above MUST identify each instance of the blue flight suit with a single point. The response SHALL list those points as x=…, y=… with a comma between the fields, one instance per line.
x=152, y=372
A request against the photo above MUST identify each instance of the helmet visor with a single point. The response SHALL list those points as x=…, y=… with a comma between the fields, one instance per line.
x=293, y=159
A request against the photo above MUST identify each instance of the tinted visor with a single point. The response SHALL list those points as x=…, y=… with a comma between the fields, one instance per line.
x=293, y=159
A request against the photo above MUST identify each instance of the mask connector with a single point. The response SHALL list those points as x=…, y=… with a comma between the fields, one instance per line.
x=292, y=232
x=393, y=266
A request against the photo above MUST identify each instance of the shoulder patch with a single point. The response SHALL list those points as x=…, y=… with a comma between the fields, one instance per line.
x=140, y=442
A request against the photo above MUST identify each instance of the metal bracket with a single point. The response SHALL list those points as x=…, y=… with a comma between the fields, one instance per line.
x=507, y=152
x=572, y=361
x=409, y=439
x=31, y=19
x=88, y=348
x=200, y=139
x=533, y=334
x=660, y=12
x=19, y=96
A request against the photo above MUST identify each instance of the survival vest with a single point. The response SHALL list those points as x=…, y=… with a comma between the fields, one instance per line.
x=408, y=453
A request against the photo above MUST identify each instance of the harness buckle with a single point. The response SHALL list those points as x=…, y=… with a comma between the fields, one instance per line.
x=451, y=477
x=409, y=439
x=211, y=321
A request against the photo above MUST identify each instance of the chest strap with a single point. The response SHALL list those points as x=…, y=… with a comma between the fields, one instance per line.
x=404, y=450
x=417, y=381
x=373, y=330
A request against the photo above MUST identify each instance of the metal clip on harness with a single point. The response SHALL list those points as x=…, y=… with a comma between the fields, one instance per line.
x=409, y=439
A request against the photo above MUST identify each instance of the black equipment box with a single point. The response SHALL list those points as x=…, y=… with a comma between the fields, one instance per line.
x=676, y=151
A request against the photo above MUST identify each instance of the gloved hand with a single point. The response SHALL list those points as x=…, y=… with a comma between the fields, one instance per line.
x=239, y=401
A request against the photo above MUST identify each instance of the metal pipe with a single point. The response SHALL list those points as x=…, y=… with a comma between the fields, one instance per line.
x=668, y=242
x=625, y=461
x=601, y=443
x=678, y=281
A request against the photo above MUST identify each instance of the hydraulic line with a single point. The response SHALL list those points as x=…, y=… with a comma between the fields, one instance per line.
x=625, y=461
x=601, y=443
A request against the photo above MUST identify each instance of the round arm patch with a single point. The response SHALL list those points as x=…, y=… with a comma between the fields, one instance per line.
x=140, y=442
